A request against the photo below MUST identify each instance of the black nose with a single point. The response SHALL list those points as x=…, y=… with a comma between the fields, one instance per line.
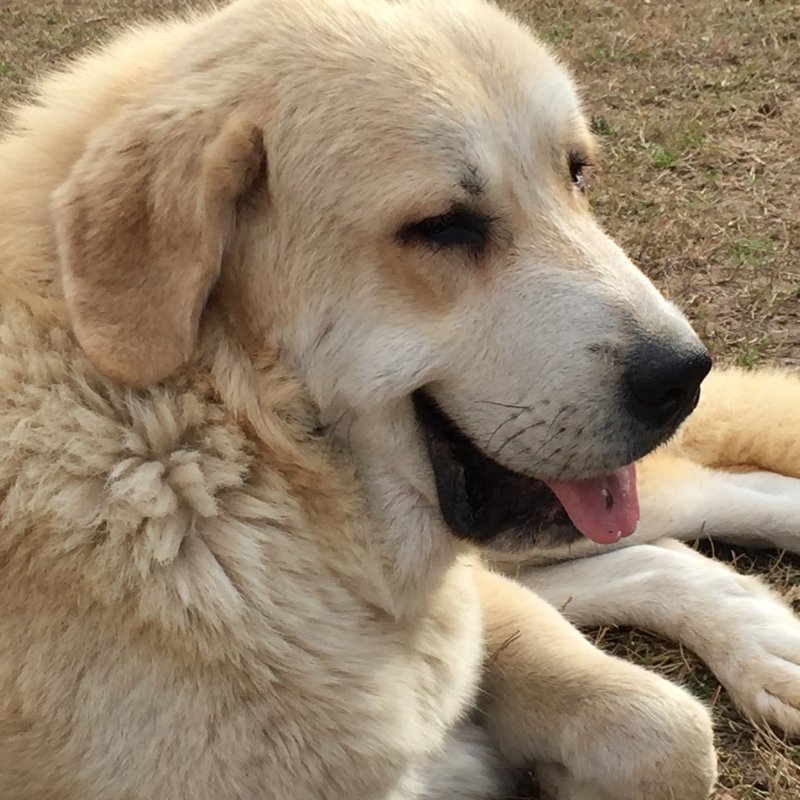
x=664, y=382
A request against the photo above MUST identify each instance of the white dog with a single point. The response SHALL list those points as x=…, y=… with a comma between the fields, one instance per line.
x=300, y=301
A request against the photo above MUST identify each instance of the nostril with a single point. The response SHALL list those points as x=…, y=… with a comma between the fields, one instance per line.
x=663, y=382
x=671, y=400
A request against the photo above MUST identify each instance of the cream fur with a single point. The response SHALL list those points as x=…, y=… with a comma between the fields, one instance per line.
x=224, y=574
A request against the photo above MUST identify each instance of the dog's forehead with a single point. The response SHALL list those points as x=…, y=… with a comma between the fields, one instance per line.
x=402, y=98
x=448, y=83
x=467, y=59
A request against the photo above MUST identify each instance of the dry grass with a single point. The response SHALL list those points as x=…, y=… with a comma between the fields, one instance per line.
x=697, y=105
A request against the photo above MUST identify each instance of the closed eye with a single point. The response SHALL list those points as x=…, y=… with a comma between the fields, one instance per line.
x=459, y=228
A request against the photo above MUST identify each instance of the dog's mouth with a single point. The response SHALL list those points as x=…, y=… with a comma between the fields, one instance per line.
x=481, y=499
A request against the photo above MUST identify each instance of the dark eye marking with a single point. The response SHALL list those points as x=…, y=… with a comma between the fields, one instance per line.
x=577, y=163
x=458, y=228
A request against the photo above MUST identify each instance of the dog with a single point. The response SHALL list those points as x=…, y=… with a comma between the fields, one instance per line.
x=304, y=314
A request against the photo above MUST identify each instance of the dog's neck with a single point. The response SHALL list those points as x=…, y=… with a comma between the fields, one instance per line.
x=415, y=547
x=400, y=548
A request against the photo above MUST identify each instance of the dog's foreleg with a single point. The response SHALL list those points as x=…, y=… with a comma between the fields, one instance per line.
x=592, y=726
x=746, y=634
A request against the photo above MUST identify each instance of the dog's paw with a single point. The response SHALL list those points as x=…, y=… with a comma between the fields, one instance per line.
x=649, y=741
x=754, y=650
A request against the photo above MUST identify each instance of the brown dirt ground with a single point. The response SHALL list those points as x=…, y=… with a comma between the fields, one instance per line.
x=697, y=106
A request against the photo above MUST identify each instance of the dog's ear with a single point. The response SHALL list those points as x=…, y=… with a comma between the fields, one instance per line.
x=142, y=223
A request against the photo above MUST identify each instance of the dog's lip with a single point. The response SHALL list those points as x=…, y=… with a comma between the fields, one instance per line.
x=479, y=498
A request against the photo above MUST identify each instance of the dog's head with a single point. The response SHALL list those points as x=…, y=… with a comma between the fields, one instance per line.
x=391, y=192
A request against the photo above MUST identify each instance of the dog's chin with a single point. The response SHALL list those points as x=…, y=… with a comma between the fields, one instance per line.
x=482, y=501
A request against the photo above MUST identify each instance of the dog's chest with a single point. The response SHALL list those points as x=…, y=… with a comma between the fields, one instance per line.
x=395, y=693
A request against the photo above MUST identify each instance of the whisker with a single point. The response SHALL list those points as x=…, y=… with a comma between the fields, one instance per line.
x=512, y=418
x=518, y=434
x=504, y=405
x=549, y=439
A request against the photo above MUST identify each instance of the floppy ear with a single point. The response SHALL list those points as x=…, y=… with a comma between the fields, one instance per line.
x=141, y=224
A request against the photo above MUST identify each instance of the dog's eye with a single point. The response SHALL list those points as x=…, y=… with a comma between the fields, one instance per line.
x=458, y=228
x=577, y=163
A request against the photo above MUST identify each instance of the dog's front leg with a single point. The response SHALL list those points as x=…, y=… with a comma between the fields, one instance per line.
x=747, y=635
x=593, y=727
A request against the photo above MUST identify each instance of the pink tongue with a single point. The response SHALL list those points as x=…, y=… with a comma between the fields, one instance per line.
x=603, y=509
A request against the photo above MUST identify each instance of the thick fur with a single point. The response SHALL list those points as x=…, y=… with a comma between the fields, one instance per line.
x=224, y=572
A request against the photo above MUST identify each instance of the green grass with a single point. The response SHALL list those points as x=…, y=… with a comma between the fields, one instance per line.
x=558, y=34
x=663, y=157
x=751, y=251
x=602, y=127
x=751, y=354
